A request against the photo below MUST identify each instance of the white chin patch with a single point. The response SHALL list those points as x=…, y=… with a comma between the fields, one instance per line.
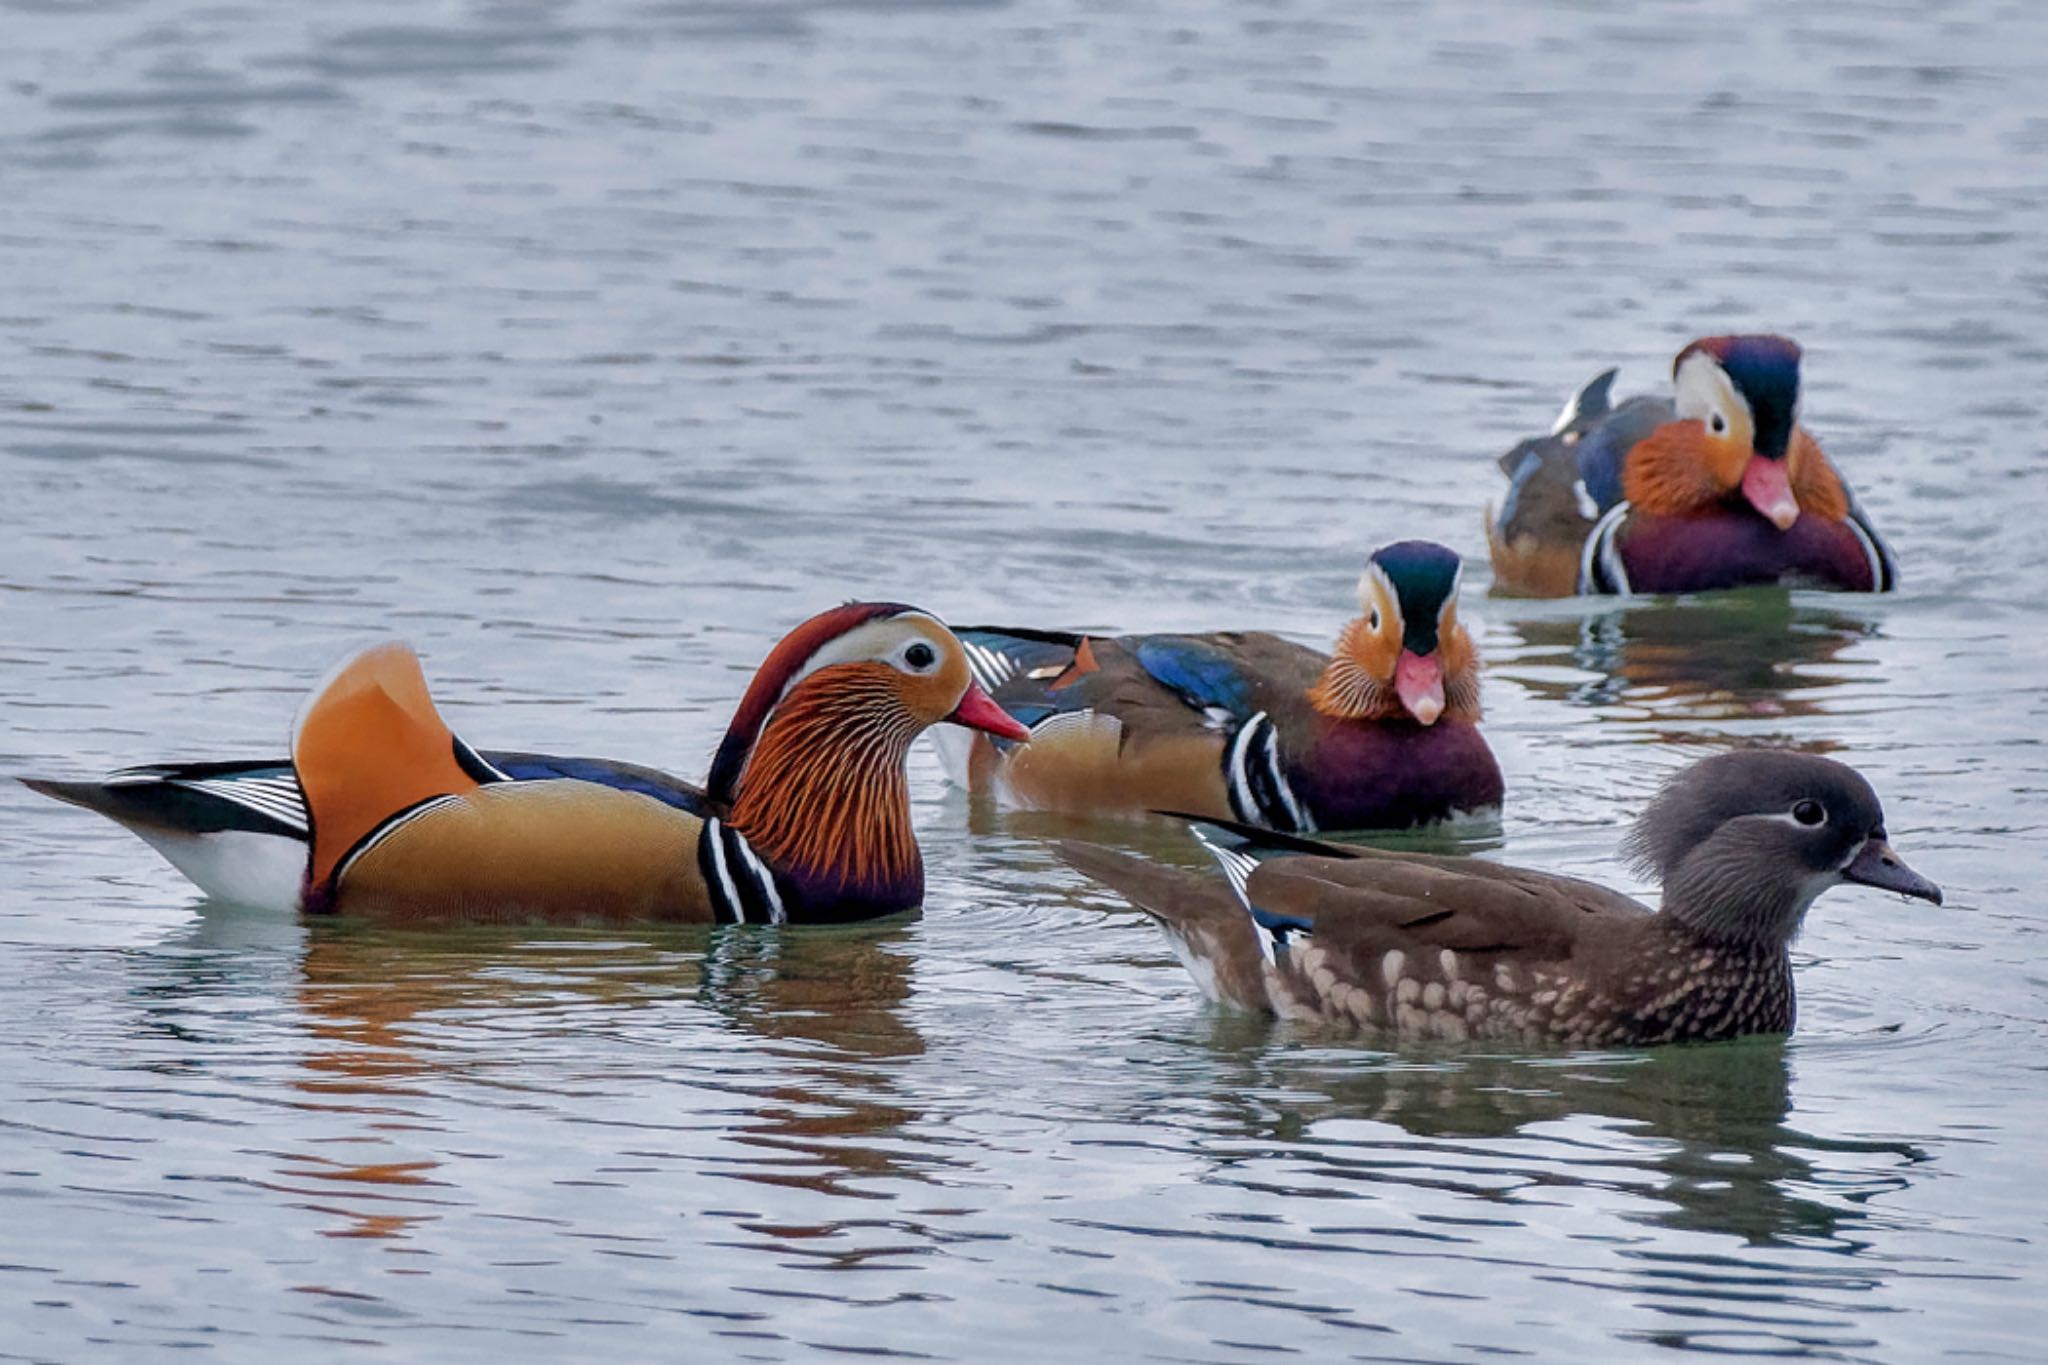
x=1810, y=890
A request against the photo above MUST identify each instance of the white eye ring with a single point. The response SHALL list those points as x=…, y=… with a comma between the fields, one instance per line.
x=1719, y=423
x=1372, y=622
x=917, y=657
x=1809, y=812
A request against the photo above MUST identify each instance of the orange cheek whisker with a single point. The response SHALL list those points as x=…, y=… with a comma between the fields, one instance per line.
x=1815, y=484
x=824, y=795
x=1349, y=689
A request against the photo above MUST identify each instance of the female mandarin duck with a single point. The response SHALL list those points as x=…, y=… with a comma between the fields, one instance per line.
x=1382, y=734
x=1716, y=487
x=383, y=812
x=1452, y=948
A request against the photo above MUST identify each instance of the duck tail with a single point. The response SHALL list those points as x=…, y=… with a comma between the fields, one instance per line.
x=1205, y=925
x=369, y=745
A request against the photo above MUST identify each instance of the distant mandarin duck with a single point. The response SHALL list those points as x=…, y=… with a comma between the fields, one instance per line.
x=1414, y=946
x=1716, y=487
x=382, y=812
x=1382, y=734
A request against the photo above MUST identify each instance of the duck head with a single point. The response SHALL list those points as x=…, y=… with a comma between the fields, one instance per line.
x=1406, y=653
x=1741, y=395
x=1743, y=842
x=812, y=766
x=875, y=669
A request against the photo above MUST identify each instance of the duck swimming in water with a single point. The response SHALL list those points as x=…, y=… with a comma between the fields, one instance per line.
x=382, y=812
x=1381, y=734
x=1415, y=946
x=1717, y=486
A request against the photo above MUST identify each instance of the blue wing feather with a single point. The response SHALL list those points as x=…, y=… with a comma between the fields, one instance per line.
x=1604, y=448
x=1200, y=672
x=604, y=772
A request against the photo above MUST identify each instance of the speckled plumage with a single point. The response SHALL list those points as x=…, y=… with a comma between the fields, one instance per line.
x=1424, y=947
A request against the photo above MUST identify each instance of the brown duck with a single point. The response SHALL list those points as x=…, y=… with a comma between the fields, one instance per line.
x=1452, y=948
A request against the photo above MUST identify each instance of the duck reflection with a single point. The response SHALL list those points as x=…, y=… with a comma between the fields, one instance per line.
x=418, y=1034
x=1700, y=1132
x=1733, y=655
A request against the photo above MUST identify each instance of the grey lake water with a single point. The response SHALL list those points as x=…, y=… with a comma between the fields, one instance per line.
x=591, y=344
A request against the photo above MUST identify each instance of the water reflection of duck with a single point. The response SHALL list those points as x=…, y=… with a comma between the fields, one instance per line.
x=418, y=1037
x=1701, y=1132
x=1741, y=654
x=1716, y=487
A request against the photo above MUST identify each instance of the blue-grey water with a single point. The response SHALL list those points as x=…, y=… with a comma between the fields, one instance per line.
x=589, y=344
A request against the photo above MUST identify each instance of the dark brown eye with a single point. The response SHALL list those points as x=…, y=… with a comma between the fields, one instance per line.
x=1720, y=424
x=1809, y=812
x=920, y=656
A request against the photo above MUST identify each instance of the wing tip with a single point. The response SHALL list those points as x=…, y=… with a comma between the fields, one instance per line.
x=74, y=793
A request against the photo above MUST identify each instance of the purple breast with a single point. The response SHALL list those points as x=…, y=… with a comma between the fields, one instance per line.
x=1393, y=774
x=817, y=899
x=1729, y=548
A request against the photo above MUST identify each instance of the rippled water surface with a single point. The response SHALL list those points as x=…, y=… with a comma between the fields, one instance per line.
x=590, y=344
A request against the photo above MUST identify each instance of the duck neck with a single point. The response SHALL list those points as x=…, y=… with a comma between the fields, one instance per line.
x=825, y=799
x=1718, y=901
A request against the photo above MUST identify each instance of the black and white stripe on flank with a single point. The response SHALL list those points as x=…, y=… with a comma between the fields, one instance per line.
x=1880, y=567
x=742, y=887
x=1600, y=566
x=476, y=765
x=1255, y=782
x=385, y=831
x=275, y=797
x=1238, y=867
x=990, y=668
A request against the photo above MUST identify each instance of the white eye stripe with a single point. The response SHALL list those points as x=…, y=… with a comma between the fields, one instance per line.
x=1788, y=818
x=1704, y=391
x=866, y=643
x=1374, y=574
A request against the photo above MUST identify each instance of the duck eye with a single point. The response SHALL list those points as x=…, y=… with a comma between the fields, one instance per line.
x=920, y=656
x=1720, y=424
x=1809, y=812
x=1372, y=620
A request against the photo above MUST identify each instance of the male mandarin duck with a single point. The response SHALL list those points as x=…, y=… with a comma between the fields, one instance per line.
x=382, y=812
x=1716, y=487
x=1413, y=946
x=1381, y=735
